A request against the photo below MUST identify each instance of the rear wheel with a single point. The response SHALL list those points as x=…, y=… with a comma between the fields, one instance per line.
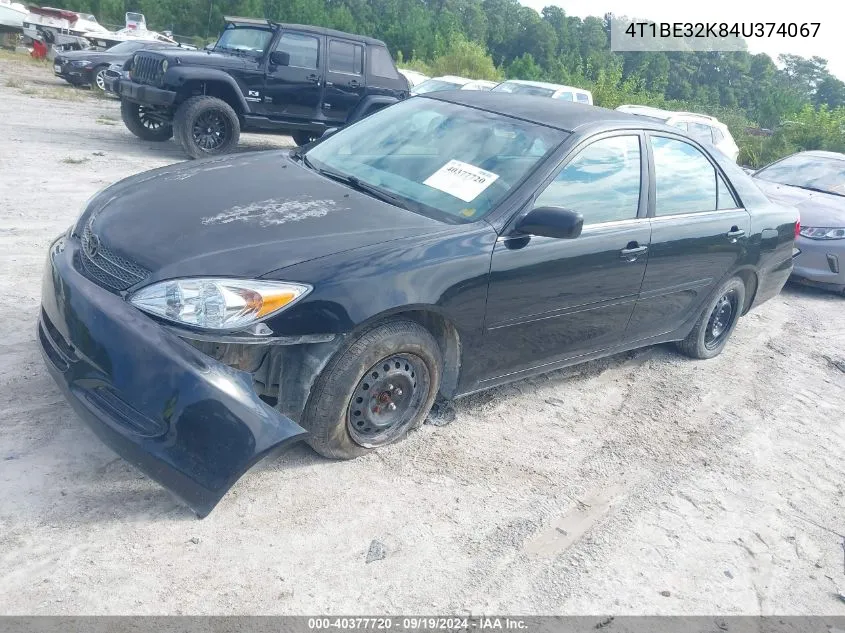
x=206, y=126
x=303, y=138
x=144, y=122
x=716, y=322
x=374, y=392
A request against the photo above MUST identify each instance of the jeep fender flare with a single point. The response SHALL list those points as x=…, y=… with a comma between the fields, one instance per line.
x=179, y=76
x=368, y=104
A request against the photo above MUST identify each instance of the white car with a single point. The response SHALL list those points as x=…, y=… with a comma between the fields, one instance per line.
x=543, y=89
x=452, y=82
x=701, y=127
x=414, y=78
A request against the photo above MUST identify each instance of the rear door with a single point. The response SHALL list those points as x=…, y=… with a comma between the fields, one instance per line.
x=345, y=82
x=699, y=235
x=295, y=90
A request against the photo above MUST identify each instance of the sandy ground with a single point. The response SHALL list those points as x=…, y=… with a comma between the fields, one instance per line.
x=646, y=483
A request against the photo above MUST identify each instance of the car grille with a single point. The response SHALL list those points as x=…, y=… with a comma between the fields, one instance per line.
x=147, y=69
x=103, y=266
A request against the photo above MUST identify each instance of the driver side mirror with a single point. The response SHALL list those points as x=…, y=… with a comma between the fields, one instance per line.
x=551, y=222
x=330, y=131
x=209, y=47
x=280, y=58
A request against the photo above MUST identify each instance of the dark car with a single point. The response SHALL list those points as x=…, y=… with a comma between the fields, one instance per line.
x=260, y=76
x=202, y=315
x=814, y=183
x=88, y=68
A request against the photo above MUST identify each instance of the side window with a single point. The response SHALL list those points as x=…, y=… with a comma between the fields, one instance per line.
x=582, y=98
x=303, y=49
x=726, y=199
x=685, y=180
x=701, y=132
x=718, y=137
x=381, y=64
x=346, y=58
x=602, y=182
x=565, y=96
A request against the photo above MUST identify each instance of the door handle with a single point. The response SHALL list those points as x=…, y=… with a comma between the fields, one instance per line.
x=632, y=251
x=313, y=78
x=735, y=232
x=354, y=83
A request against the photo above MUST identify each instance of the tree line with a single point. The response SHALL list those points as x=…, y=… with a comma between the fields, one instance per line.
x=771, y=110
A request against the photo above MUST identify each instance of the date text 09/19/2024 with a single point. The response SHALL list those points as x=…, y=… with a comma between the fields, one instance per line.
x=419, y=623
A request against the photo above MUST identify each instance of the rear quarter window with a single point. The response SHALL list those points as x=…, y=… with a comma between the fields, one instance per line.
x=381, y=64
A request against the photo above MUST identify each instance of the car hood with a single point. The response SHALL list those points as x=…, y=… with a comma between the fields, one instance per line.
x=815, y=208
x=94, y=56
x=240, y=216
x=207, y=58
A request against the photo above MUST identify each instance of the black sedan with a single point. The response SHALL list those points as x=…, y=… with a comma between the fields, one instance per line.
x=200, y=316
x=88, y=68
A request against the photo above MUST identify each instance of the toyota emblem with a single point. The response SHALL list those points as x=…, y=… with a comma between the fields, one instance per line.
x=92, y=246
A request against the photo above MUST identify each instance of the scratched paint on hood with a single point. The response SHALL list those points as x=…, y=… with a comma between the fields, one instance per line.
x=274, y=211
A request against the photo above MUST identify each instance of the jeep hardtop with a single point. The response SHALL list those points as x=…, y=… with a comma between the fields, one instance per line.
x=260, y=76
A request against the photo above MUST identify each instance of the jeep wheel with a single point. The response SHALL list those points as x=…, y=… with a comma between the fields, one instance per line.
x=206, y=126
x=143, y=122
x=303, y=138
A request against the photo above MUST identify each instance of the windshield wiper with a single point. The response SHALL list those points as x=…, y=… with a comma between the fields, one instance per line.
x=357, y=184
x=810, y=188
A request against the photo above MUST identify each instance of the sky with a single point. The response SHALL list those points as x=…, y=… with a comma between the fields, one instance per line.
x=827, y=43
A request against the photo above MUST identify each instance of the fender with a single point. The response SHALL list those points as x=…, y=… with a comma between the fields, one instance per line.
x=368, y=104
x=178, y=76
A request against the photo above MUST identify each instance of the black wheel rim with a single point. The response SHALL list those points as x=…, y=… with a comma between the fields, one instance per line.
x=721, y=319
x=387, y=399
x=149, y=120
x=210, y=130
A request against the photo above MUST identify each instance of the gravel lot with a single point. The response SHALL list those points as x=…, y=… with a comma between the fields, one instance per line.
x=646, y=483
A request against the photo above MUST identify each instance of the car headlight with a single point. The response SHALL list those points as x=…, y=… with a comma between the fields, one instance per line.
x=80, y=62
x=217, y=304
x=822, y=233
x=164, y=66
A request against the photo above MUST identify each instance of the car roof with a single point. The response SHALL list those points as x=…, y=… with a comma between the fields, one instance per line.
x=318, y=30
x=563, y=115
x=543, y=84
x=818, y=153
x=453, y=79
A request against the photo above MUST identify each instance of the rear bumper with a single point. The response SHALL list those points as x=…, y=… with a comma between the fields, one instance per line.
x=192, y=424
x=141, y=93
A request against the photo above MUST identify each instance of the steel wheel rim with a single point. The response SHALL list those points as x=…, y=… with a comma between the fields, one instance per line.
x=720, y=321
x=100, y=79
x=148, y=121
x=387, y=399
x=210, y=130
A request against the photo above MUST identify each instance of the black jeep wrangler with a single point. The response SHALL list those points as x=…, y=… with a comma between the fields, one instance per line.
x=260, y=76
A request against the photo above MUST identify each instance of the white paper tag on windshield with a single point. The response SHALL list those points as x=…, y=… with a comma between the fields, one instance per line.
x=462, y=180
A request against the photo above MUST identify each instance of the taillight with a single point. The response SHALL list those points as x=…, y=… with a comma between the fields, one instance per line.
x=797, y=227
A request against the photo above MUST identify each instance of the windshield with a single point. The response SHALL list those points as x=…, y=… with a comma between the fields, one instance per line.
x=809, y=172
x=433, y=85
x=443, y=160
x=522, y=89
x=127, y=47
x=244, y=39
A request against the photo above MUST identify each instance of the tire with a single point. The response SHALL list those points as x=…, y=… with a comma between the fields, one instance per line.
x=402, y=361
x=716, y=322
x=98, y=78
x=147, y=129
x=302, y=138
x=191, y=120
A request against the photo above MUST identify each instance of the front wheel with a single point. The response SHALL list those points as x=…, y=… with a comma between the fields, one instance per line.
x=375, y=391
x=99, y=78
x=716, y=322
x=206, y=126
x=144, y=122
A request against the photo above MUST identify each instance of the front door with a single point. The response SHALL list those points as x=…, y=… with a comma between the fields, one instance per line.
x=345, y=82
x=295, y=90
x=699, y=234
x=555, y=299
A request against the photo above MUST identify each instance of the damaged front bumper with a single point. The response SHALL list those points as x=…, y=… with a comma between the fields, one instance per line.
x=193, y=424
